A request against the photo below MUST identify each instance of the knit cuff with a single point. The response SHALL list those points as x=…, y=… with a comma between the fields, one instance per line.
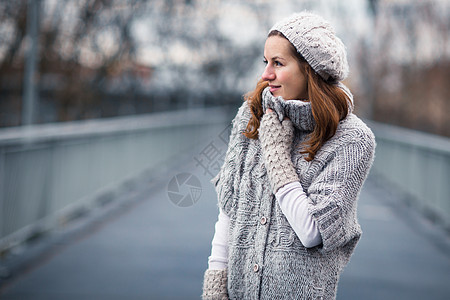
x=215, y=285
x=281, y=175
x=276, y=142
x=335, y=229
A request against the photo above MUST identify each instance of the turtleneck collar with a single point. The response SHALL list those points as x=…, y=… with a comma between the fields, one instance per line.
x=299, y=112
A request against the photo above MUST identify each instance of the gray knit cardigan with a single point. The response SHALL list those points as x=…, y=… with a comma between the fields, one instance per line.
x=266, y=258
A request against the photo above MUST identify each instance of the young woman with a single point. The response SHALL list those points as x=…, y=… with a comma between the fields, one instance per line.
x=294, y=167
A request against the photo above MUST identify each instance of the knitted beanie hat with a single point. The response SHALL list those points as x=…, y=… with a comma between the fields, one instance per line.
x=315, y=39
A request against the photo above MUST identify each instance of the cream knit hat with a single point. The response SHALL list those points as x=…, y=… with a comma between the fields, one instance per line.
x=315, y=39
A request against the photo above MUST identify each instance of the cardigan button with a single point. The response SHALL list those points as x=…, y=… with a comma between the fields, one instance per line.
x=256, y=268
x=263, y=220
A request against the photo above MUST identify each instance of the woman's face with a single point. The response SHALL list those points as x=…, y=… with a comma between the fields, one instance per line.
x=282, y=71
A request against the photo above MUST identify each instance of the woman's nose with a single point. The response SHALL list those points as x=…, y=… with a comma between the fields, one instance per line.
x=268, y=74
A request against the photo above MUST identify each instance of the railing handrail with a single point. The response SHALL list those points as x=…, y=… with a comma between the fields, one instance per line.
x=45, y=178
x=417, y=164
x=410, y=137
x=103, y=127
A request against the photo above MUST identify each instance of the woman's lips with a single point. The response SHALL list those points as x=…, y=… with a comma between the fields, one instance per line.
x=274, y=88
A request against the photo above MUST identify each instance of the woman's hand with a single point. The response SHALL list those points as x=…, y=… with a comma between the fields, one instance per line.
x=276, y=142
x=268, y=110
x=215, y=285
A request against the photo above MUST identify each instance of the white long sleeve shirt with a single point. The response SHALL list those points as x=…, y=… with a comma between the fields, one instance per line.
x=293, y=203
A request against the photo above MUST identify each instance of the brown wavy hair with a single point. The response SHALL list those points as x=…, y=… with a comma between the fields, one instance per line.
x=329, y=105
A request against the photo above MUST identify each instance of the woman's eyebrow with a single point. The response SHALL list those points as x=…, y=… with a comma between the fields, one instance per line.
x=277, y=58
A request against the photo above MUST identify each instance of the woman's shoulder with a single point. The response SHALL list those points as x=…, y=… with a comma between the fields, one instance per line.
x=244, y=109
x=242, y=116
x=353, y=138
x=353, y=122
x=353, y=130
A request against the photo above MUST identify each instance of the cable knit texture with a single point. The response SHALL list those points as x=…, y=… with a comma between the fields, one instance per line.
x=215, y=285
x=276, y=141
x=315, y=39
x=266, y=259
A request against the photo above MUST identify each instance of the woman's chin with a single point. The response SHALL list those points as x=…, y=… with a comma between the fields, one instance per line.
x=277, y=94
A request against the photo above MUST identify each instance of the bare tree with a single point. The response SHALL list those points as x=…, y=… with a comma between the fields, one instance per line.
x=407, y=65
x=80, y=44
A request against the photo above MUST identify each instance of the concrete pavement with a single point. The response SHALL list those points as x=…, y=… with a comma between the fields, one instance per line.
x=149, y=248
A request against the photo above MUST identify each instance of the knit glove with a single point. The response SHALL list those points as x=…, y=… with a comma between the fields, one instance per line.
x=276, y=141
x=215, y=285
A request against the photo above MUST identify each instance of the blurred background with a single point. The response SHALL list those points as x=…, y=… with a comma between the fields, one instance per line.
x=103, y=102
x=97, y=59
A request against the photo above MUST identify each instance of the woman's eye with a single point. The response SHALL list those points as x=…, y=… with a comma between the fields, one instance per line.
x=277, y=63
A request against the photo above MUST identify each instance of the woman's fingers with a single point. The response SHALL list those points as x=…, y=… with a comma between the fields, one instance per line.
x=269, y=110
